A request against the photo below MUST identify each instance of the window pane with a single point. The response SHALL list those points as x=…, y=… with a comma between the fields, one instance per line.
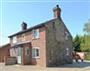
x=36, y=33
x=14, y=39
x=37, y=52
x=27, y=51
x=33, y=52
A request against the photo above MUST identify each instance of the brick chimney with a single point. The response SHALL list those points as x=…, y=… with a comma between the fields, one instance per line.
x=24, y=26
x=57, y=11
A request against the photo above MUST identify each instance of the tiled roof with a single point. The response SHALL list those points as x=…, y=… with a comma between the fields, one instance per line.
x=31, y=28
x=4, y=46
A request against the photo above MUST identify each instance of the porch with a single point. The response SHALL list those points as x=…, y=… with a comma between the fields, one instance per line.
x=22, y=53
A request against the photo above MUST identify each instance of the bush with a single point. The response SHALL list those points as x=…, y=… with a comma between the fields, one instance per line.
x=87, y=56
x=85, y=50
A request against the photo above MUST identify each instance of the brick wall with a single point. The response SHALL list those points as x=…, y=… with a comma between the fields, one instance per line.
x=4, y=52
x=40, y=42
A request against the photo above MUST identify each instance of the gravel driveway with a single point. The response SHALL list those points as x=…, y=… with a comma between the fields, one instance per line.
x=85, y=66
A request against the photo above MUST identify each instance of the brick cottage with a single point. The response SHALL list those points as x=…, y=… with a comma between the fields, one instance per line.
x=46, y=44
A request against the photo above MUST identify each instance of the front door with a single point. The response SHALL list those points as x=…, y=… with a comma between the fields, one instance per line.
x=27, y=55
x=19, y=57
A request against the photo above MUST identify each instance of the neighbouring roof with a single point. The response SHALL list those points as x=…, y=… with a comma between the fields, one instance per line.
x=4, y=46
x=34, y=27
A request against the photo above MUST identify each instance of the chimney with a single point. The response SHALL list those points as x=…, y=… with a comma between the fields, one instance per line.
x=24, y=26
x=57, y=11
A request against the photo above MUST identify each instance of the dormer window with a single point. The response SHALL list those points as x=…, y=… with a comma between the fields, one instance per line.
x=14, y=39
x=36, y=34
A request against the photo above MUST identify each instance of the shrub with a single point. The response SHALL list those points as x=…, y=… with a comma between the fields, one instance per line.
x=87, y=56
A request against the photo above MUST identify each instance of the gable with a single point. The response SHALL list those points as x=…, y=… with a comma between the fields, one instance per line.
x=59, y=29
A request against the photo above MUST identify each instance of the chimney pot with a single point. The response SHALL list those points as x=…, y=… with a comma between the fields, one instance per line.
x=24, y=26
x=57, y=11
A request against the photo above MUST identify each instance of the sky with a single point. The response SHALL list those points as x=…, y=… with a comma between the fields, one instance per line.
x=75, y=13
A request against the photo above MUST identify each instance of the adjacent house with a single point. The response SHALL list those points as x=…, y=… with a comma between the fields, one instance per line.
x=46, y=44
x=4, y=52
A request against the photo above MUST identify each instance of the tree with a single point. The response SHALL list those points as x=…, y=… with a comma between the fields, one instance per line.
x=76, y=43
x=82, y=43
x=85, y=46
x=87, y=27
x=86, y=37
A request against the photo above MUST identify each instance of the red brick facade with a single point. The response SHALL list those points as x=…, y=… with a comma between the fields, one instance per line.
x=40, y=43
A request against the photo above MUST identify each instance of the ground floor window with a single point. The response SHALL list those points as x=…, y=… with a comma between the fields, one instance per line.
x=27, y=51
x=36, y=52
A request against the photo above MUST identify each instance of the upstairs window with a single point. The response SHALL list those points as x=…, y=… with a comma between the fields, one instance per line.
x=66, y=35
x=14, y=39
x=36, y=34
x=36, y=52
x=23, y=37
x=53, y=26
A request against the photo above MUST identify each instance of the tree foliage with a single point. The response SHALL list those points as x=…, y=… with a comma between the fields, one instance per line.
x=82, y=43
x=76, y=43
x=85, y=46
x=87, y=27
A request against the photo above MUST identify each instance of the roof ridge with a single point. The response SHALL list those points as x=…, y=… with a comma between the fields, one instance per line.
x=33, y=27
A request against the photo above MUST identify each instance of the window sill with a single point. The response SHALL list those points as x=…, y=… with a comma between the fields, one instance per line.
x=36, y=38
x=36, y=57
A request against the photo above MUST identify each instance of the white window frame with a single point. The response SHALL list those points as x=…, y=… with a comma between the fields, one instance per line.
x=36, y=34
x=14, y=39
x=34, y=55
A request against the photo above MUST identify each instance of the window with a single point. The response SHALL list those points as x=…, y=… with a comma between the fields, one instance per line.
x=14, y=39
x=36, y=52
x=66, y=35
x=53, y=26
x=36, y=34
x=67, y=51
x=23, y=37
x=27, y=51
